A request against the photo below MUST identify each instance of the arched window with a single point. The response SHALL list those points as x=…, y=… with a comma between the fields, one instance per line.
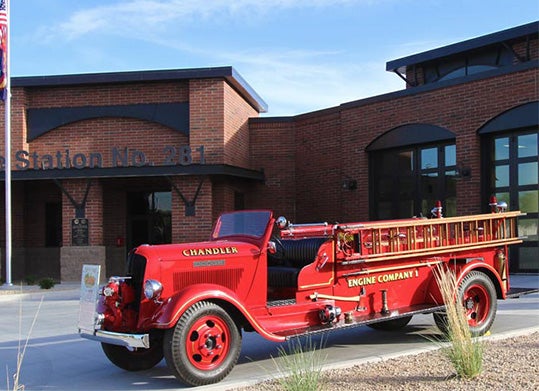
x=411, y=167
x=467, y=64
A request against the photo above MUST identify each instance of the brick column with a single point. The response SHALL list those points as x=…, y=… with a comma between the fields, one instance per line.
x=197, y=227
x=73, y=256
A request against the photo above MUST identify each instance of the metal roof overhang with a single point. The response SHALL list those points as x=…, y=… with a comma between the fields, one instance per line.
x=131, y=172
x=524, y=116
x=519, y=32
x=227, y=72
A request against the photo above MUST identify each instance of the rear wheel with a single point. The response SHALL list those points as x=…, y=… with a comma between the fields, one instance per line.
x=138, y=359
x=392, y=324
x=478, y=297
x=204, y=345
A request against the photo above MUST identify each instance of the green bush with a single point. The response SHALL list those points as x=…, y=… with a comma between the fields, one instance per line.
x=46, y=283
x=30, y=280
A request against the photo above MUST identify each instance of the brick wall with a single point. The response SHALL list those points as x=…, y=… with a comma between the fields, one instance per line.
x=273, y=149
x=330, y=144
x=218, y=121
x=236, y=128
x=197, y=227
x=206, y=115
x=76, y=188
x=305, y=158
x=108, y=94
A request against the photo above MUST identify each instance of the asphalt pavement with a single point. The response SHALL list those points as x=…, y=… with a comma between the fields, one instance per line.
x=42, y=324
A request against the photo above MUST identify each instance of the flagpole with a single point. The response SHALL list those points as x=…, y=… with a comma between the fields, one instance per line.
x=7, y=166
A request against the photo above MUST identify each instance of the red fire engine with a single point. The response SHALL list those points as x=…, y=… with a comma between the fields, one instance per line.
x=189, y=303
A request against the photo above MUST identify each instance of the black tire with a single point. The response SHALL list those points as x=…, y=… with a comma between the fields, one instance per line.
x=204, y=345
x=135, y=360
x=392, y=324
x=440, y=319
x=478, y=296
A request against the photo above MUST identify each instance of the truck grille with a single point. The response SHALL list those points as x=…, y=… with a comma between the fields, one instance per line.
x=229, y=278
x=135, y=268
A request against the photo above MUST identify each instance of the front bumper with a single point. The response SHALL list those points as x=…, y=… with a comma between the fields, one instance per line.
x=121, y=339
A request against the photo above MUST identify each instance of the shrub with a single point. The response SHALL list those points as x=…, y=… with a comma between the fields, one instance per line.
x=46, y=283
x=30, y=280
x=464, y=351
x=300, y=368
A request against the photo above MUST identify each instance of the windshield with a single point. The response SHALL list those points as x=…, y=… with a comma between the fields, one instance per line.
x=243, y=223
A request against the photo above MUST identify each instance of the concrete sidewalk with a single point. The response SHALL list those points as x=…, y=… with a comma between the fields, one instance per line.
x=524, y=280
x=55, y=338
x=18, y=288
x=516, y=280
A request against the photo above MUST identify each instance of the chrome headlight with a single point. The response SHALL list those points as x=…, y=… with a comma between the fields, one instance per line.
x=108, y=291
x=152, y=289
x=281, y=222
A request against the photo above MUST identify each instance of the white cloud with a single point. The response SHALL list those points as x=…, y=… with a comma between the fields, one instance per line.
x=294, y=82
x=291, y=81
x=136, y=17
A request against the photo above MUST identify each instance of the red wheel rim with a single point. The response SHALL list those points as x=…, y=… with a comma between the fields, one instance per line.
x=208, y=342
x=476, y=301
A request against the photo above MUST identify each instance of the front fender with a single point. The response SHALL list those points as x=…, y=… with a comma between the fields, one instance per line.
x=172, y=309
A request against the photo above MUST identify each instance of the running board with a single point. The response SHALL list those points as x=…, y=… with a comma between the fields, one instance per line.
x=362, y=320
x=514, y=293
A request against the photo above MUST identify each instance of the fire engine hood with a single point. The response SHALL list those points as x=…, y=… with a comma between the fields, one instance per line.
x=200, y=250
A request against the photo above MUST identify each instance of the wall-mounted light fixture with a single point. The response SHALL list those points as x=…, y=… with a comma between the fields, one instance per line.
x=349, y=184
x=464, y=172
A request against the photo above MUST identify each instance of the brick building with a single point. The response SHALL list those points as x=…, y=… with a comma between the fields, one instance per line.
x=103, y=162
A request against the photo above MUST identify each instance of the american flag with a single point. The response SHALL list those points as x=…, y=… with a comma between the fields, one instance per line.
x=3, y=48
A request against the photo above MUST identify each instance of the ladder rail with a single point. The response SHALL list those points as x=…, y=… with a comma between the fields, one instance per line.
x=423, y=237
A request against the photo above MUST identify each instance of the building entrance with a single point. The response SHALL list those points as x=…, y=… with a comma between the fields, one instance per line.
x=408, y=181
x=516, y=180
x=148, y=218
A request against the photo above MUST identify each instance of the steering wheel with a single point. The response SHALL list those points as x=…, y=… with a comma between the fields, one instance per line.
x=279, y=249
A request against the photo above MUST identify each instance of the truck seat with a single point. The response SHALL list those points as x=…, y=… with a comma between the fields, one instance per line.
x=294, y=255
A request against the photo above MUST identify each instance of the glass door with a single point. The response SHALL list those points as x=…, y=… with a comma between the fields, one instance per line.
x=516, y=182
x=407, y=182
x=148, y=218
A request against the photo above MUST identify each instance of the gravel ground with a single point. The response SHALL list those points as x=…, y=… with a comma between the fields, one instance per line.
x=509, y=364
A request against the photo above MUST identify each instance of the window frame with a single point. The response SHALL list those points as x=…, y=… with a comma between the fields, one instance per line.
x=418, y=174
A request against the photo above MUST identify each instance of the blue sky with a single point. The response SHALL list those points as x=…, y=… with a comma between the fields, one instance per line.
x=298, y=55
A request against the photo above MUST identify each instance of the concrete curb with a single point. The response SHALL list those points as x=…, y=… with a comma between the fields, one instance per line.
x=17, y=290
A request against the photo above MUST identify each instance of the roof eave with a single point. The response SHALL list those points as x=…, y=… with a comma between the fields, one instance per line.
x=227, y=72
x=400, y=65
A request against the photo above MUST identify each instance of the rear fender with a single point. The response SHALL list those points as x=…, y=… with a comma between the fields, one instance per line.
x=488, y=270
x=173, y=308
x=461, y=271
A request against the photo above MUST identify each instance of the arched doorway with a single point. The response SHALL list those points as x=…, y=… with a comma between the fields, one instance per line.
x=510, y=161
x=410, y=167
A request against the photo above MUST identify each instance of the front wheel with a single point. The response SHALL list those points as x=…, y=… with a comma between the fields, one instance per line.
x=204, y=345
x=478, y=297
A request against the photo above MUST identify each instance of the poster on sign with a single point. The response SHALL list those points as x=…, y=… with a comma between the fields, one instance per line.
x=89, y=290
